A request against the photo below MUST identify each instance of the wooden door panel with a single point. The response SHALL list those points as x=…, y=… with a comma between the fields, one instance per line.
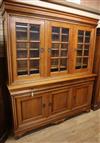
x=30, y=108
x=60, y=101
x=82, y=96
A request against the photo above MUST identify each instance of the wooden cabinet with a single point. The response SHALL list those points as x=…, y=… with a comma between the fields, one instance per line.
x=50, y=60
x=36, y=56
x=96, y=93
x=33, y=109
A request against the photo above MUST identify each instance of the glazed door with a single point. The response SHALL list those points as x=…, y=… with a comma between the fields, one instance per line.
x=84, y=48
x=27, y=47
x=60, y=101
x=59, y=48
x=82, y=95
x=30, y=109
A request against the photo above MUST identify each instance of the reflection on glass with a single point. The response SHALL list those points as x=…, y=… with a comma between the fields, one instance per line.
x=22, y=54
x=79, y=52
x=21, y=46
x=21, y=31
x=54, y=65
x=64, y=46
x=55, y=53
x=22, y=67
x=86, y=52
x=34, y=66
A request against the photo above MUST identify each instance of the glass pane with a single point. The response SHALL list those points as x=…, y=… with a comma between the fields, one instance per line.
x=63, y=63
x=34, y=45
x=80, y=36
x=65, y=38
x=34, y=28
x=85, y=62
x=80, y=46
x=55, y=37
x=22, y=67
x=86, y=52
x=34, y=66
x=34, y=53
x=54, y=65
x=21, y=35
x=65, y=31
x=21, y=26
x=64, y=53
x=79, y=52
x=64, y=46
x=55, y=46
x=81, y=33
x=87, y=47
x=55, y=30
x=55, y=53
x=34, y=32
x=80, y=39
x=55, y=34
x=78, y=63
x=21, y=46
x=34, y=36
x=21, y=31
x=87, y=39
x=21, y=54
x=87, y=33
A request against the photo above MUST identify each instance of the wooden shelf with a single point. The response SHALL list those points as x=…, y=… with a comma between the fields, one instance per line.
x=21, y=30
x=21, y=49
x=22, y=59
x=22, y=41
x=36, y=32
x=35, y=58
x=22, y=70
x=21, y=26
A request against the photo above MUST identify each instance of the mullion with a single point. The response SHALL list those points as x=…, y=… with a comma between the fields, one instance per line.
x=82, y=50
x=28, y=61
x=59, y=60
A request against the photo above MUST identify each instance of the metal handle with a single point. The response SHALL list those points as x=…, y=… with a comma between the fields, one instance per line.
x=49, y=50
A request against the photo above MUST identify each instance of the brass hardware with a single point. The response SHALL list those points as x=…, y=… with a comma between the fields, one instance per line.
x=49, y=50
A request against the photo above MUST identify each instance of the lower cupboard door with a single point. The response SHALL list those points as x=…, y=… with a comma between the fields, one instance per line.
x=30, y=109
x=60, y=101
x=82, y=95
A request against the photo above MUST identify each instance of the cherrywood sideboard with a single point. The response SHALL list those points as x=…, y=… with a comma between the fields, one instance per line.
x=50, y=62
x=96, y=69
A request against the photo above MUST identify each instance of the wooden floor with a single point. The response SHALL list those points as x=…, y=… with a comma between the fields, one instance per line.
x=84, y=128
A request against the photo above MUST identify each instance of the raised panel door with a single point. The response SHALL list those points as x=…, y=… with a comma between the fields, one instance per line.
x=60, y=101
x=30, y=109
x=82, y=95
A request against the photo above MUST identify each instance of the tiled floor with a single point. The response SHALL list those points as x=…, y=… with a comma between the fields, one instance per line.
x=81, y=129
